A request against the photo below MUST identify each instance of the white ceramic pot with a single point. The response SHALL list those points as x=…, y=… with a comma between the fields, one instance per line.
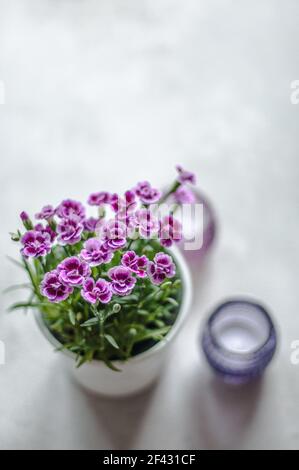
x=138, y=372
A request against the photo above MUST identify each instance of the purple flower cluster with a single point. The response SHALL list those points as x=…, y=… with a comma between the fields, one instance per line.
x=68, y=225
x=184, y=195
x=46, y=213
x=160, y=268
x=69, y=231
x=99, y=199
x=114, y=235
x=71, y=225
x=147, y=223
x=91, y=224
x=46, y=230
x=171, y=231
x=35, y=244
x=185, y=176
x=146, y=193
x=96, y=252
x=96, y=291
x=54, y=289
x=73, y=271
x=136, y=264
x=124, y=208
x=58, y=284
x=122, y=281
x=70, y=209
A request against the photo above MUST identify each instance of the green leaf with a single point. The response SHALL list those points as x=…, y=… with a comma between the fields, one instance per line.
x=80, y=360
x=172, y=301
x=15, y=287
x=165, y=285
x=26, y=305
x=72, y=317
x=112, y=341
x=158, y=295
x=89, y=355
x=109, y=314
x=32, y=277
x=148, y=249
x=111, y=366
x=140, y=311
x=127, y=299
x=14, y=261
x=177, y=283
x=90, y=322
x=156, y=334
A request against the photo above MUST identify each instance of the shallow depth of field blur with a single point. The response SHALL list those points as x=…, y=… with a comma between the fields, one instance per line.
x=100, y=94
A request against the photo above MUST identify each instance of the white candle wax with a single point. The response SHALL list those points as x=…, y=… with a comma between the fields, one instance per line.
x=240, y=329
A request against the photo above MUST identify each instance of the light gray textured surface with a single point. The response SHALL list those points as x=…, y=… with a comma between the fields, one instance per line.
x=102, y=93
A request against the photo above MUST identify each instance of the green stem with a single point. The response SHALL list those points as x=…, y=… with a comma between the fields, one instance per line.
x=130, y=244
x=101, y=319
x=174, y=209
x=35, y=287
x=149, y=297
x=172, y=189
x=43, y=265
x=102, y=338
x=66, y=250
x=52, y=224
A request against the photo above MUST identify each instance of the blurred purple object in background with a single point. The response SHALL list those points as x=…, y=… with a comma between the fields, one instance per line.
x=208, y=227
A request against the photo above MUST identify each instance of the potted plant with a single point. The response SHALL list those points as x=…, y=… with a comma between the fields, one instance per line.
x=109, y=291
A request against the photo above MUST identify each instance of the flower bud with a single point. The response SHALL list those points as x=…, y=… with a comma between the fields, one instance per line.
x=132, y=332
x=26, y=220
x=24, y=216
x=116, y=308
x=79, y=316
x=14, y=237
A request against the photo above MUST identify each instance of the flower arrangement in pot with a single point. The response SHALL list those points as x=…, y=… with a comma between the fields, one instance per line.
x=110, y=291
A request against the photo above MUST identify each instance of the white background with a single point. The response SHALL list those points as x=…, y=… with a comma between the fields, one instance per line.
x=103, y=93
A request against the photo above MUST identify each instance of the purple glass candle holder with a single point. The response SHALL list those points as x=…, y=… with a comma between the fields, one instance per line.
x=239, y=340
